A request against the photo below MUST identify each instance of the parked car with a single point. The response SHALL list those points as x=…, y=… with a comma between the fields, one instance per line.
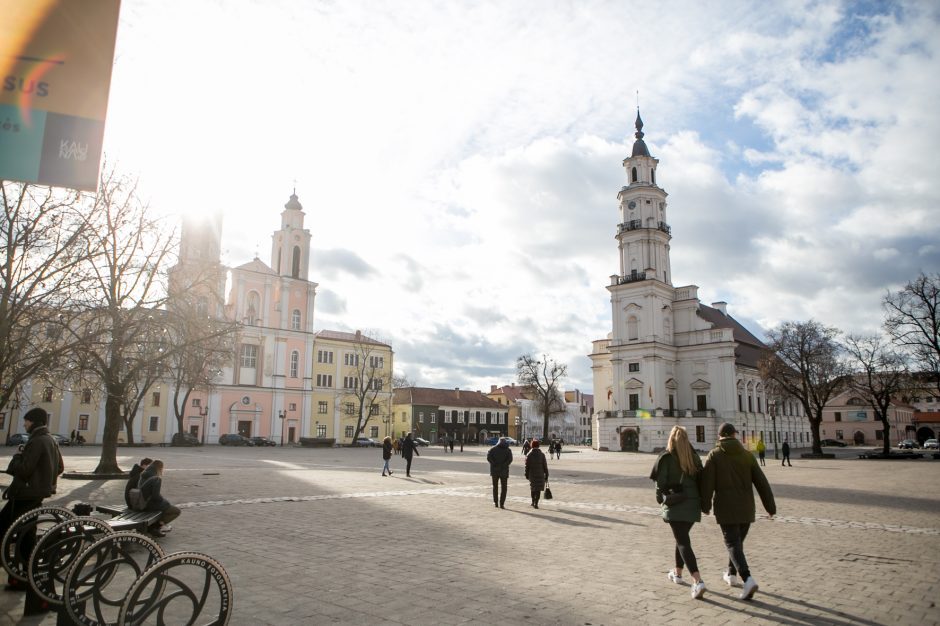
x=492, y=441
x=420, y=441
x=907, y=444
x=832, y=442
x=62, y=440
x=185, y=439
x=233, y=439
x=587, y=441
x=931, y=444
x=17, y=439
x=262, y=441
x=365, y=442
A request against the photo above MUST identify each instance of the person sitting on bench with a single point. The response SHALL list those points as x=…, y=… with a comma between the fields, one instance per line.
x=151, y=480
x=134, y=479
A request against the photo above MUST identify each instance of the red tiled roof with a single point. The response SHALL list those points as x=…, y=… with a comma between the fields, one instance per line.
x=445, y=397
x=926, y=416
x=749, y=347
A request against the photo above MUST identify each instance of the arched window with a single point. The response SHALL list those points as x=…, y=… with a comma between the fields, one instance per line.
x=295, y=319
x=633, y=175
x=253, y=312
x=295, y=263
x=294, y=363
x=653, y=176
x=856, y=401
x=633, y=331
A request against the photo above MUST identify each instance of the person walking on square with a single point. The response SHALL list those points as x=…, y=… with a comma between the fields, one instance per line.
x=450, y=442
x=150, y=485
x=558, y=448
x=500, y=458
x=387, y=455
x=35, y=469
x=408, y=448
x=761, y=450
x=786, y=454
x=679, y=466
x=729, y=472
x=536, y=471
x=525, y=447
x=551, y=448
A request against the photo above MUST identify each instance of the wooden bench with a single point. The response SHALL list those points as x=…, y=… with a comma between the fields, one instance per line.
x=123, y=518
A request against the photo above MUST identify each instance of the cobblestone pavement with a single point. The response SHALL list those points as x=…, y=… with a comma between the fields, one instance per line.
x=312, y=536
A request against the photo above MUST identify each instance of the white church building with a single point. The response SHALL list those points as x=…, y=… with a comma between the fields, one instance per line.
x=671, y=360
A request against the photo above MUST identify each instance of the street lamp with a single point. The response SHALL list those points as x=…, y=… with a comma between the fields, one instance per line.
x=204, y=412
x=283, y=415
x=386, y=419
x=773, y=419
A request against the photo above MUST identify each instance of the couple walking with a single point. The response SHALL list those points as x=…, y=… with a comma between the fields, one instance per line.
x=685, y=489
x=536, y=471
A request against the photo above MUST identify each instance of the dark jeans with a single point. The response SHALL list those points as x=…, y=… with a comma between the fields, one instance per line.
x=12, y=510
x=685, y=557
x=761, y=455
x=536, y=494
x=408, y=465
x=734, y=535
x=786, y=459
x=170, y=514
x=497, y=482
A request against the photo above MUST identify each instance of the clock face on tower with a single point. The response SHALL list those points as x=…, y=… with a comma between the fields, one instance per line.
x=631, y=205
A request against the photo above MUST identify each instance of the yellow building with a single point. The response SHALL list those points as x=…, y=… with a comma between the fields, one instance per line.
x=349, y=370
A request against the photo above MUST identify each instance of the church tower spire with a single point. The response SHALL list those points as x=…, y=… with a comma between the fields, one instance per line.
x=290, y=246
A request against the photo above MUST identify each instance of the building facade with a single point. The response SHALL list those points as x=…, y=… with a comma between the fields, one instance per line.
x=849, y=419
x=669, y=359
x=464, y=415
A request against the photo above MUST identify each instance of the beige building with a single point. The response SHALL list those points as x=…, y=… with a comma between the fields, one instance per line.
x=849, y=419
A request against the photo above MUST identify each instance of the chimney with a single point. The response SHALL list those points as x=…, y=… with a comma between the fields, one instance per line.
x=457, y=389
x=492, y=388
x=721, y=306
x=358, y=335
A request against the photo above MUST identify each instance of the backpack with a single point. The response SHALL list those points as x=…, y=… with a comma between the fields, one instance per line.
x=136, y=497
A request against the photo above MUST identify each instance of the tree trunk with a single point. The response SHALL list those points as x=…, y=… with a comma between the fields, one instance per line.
x=129, y=429
x=887, y=439
x=107, y=464
x=814, y=423
x=545, y=426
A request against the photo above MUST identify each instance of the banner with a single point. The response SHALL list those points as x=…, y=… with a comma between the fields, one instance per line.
x=55, y=66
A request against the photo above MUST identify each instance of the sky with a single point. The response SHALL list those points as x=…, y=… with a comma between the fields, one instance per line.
x=459, y=161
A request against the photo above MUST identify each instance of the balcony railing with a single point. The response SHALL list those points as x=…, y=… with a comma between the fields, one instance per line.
x=631, y=278
x=638, y=224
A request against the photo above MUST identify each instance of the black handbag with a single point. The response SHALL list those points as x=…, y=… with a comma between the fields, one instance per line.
x=548, y=492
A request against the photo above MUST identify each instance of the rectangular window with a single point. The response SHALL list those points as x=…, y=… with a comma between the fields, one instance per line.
x=350, y=408
x=47, y=394
x=86, y=396
x=420, y=417
x=295, y=319
x=449, y=416
x=374, y=409
x=351, y=359
x=740, y=403
x=750, y=403
x=838, y=434
x=294, y=363
x=291, y=406
x=321, y=431
x=349, y=431
x=701, y=402
x=489, y=417
x=321, y=407
x=758, y=405
x=633, y=367
x=83, y=422
x=350, y=382
x=249, y=355
x=838, y=416
x=634, y=401
x=155, y=398
x=700, y=434
x=324, y=380
x=377, y=362
x=672, y=402
x=374, y=431
x=375, y=384
x=879, y=435
x=154, y=423
x=197, y=402
x=324, y=356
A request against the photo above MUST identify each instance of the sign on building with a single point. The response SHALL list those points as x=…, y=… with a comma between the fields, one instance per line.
x=55, y=66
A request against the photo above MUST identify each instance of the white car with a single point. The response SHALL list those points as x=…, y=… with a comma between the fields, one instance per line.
x=931, y=444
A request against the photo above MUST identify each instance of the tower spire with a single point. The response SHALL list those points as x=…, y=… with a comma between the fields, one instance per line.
x=639, y=146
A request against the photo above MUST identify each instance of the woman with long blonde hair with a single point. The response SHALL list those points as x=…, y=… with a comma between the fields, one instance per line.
x=676, y=473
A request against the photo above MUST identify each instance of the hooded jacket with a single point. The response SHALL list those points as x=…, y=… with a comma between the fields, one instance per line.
x=150, y=484
x=500, y=458
x=668, y=473
x=36, y=469
x=729, y=473
x=536, y=469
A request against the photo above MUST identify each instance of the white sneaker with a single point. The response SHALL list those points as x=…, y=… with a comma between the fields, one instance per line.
x=731, y=579
x=698, y=590
x=750, y=588
x=671, y=575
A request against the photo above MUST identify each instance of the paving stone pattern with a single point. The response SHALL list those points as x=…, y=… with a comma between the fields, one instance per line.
x=317, y=536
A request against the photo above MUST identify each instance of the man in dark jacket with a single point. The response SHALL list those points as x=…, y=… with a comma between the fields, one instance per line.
x=35, y=470
x=500, y=458
x=408, y=448
x=786, y=454
x=150, y=484
x=729, y=472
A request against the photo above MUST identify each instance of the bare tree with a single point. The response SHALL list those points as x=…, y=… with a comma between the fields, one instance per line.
x=802, y=361
x=41, y=250
x=879, y=375
x=123, y=329
x=913, y=322
x=367, y=379
x=542, y=377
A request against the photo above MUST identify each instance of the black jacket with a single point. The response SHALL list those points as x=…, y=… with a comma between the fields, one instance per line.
x=132, y=481
x=409, y=447
x=500, y=458
x=36, y=469
x=150, y=485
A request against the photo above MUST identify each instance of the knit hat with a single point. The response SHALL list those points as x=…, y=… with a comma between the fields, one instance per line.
x=535, y=443
x=37, y=416
x=727, y=429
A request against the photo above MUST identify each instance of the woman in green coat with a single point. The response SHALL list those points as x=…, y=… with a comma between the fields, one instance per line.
x=680, y=465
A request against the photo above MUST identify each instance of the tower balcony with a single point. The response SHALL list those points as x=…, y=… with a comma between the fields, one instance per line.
x=638, y=224
x=632, y=277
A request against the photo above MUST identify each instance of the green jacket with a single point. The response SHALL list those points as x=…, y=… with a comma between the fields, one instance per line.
x=36, y=469
x=668, y=473
x=729, y=472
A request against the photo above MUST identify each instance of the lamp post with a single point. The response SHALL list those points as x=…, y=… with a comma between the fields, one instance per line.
x=386, y=419
x=773, y=419
x=283, y=415
x=204, y=412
